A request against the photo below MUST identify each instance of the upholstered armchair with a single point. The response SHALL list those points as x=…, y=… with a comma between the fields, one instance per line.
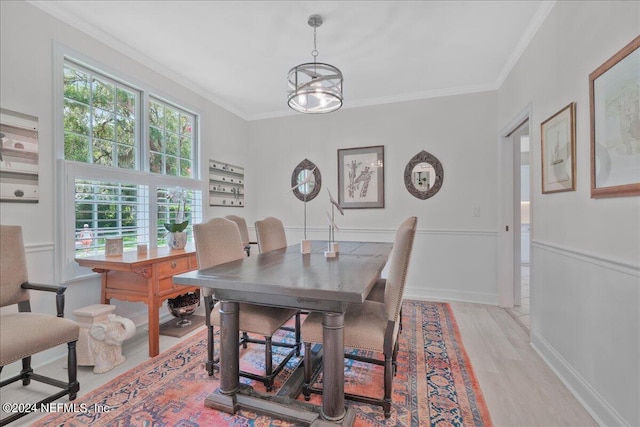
x=24, y=333
x=371, y=326
x=218, y=241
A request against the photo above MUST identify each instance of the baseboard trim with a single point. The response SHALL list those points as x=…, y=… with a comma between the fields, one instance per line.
x=591, y=400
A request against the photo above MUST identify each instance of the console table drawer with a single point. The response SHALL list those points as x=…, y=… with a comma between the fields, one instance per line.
x=174, y=266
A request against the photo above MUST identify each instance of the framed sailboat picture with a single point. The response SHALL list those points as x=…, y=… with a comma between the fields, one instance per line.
x=559, y=151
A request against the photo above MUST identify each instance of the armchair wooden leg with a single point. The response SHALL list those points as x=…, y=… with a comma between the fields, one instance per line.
x=26, y=370
x=307, y=371
x=72, y=367
x=388, y=382
x=298, y=343
x=395, y=357
x=210, y=350
x=245, y=339
x=268, y=363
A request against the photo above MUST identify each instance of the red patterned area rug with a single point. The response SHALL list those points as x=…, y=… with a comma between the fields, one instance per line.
x=434, y=385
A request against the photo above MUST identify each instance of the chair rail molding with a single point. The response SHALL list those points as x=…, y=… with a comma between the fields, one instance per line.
x=619, y=265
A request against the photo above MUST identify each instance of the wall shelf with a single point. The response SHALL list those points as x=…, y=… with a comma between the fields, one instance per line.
x=226, y=184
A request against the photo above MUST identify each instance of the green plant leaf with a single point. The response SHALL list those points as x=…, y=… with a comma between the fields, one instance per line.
x=176, y=228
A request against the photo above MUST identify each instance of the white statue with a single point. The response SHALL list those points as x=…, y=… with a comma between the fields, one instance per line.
x=105, y=342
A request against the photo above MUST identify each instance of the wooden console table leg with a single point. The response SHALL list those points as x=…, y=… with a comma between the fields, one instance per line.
x=154, y=327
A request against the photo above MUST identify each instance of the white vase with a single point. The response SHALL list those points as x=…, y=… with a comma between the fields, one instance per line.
x=305, y=246
x=177, y=240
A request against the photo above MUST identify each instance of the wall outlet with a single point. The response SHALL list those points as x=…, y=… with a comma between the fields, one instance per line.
x=475, y=211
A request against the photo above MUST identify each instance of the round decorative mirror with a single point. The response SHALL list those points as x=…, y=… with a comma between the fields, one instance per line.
x=306, y=181
x=423, y=175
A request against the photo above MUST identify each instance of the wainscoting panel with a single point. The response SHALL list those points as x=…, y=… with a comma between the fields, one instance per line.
x=585, y=318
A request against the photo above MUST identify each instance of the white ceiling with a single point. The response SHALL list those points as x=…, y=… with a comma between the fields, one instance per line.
x=238, y=53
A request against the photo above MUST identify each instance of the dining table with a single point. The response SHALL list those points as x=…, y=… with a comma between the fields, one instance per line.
x=288, y=278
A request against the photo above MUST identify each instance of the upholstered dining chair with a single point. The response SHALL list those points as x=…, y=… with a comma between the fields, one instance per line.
x=218, y=241
x=271, y=237
x=371, y=326
x=244, y=232
x=270, y=234
x=26, y=333
x=377, y=294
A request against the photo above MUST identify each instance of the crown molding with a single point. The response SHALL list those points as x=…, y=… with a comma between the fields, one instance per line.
x=65, y=16
x=536, y=22
x=372, y=102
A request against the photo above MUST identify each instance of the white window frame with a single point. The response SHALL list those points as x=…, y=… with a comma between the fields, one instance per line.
x=67, y=270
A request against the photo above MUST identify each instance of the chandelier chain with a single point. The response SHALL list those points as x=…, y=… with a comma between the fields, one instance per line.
x=314, y=52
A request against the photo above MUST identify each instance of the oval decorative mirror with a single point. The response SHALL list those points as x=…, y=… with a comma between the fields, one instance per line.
x=423, y=175
x=306, y=180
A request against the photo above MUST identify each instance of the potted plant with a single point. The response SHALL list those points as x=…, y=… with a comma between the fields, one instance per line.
x=177, y=237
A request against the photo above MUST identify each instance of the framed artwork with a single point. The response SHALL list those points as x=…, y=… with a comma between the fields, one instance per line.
x=614, y=97
x=558, y=134
x=361, y=177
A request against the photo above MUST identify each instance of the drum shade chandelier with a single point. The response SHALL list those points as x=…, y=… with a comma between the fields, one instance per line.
x=315, y=87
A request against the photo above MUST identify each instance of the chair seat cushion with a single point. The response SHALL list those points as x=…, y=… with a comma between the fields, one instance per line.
x=25, y=334
x=364, y=326
x=258, y=319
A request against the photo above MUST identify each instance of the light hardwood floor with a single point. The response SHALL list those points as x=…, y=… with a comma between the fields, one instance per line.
x=520, y=390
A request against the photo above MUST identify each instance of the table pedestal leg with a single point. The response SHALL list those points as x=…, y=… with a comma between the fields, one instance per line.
x=224, y=399
x=333, y=408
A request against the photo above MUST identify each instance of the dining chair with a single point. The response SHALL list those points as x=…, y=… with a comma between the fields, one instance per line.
x=217, y=242
x=270, y=234
x=244, y=232
x=377, y=294
x=371, y=326
x=26, y=333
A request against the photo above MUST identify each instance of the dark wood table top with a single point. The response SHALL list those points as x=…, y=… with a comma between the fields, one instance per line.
x=287, y=278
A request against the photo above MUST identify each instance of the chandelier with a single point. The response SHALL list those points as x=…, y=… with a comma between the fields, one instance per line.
x=315, y=87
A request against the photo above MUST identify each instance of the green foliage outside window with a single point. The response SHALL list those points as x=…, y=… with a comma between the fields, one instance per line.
x=171, y=140
x=99, y=120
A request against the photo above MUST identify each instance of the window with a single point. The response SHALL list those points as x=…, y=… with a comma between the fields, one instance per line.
x=170, y=139
x=113, y=184
x=100, y=118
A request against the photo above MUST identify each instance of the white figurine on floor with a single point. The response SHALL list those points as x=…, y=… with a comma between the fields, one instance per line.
x=105, y=342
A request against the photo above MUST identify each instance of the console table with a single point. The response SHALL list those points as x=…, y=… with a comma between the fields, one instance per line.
x=144, y=278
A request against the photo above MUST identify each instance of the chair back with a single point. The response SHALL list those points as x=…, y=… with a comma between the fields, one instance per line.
x=242, y=226
x=217, y=241
x=398, y=267
x=271, y=235
x=13, y=266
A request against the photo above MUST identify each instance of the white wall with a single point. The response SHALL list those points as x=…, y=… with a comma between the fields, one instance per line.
x=585, y=278
x=27, y=38
x=455, y=252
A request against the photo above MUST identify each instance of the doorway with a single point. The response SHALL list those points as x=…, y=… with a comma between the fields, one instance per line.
x=514, y=241
x=522, y=216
